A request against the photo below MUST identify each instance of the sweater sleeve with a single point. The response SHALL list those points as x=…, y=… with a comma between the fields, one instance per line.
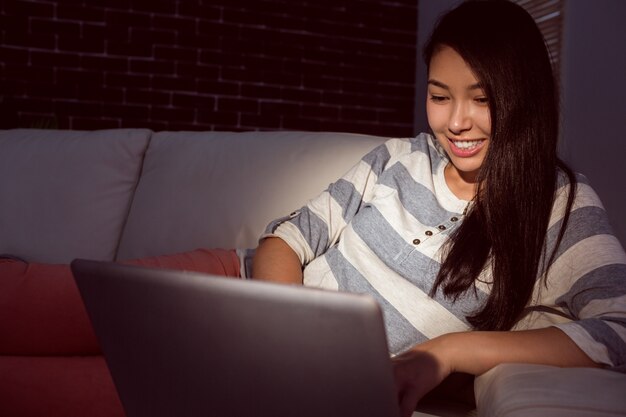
x=311, y=230
x=587, y=282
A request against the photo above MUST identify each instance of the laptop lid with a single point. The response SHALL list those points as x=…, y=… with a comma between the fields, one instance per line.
x=189, y=344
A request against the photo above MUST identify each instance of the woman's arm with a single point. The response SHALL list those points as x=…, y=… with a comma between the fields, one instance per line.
x=422, y=368
x=275, y=261
x=314, y=228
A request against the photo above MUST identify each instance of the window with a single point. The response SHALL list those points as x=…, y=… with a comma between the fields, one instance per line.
x=549, y=17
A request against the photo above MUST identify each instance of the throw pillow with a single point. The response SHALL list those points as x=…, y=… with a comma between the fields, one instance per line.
x=42, y=313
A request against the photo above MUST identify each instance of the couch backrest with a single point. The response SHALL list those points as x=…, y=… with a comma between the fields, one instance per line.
x=220, y=189
x=66, y=194
x=130, y=193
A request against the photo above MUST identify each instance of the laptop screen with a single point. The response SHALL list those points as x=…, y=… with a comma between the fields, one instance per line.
x=182, y=343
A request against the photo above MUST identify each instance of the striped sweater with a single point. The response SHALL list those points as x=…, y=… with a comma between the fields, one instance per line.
x=379, y=230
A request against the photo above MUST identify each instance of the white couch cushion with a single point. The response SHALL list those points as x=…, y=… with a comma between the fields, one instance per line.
x=516, y=390
x=66, y=194
x=220, y=189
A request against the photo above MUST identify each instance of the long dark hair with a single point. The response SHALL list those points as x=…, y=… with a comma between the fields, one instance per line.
x=506, y=227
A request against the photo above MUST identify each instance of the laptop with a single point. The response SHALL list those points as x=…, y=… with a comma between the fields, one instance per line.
x=189, y=344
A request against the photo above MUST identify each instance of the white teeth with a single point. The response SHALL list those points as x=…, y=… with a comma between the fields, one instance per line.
x=467, y=144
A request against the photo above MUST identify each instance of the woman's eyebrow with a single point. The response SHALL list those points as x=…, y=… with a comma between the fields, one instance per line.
x=439, y=84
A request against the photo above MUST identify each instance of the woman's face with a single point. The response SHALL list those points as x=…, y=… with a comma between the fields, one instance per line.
x=458, y=113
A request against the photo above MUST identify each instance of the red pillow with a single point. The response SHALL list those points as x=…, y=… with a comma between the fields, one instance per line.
x=57, y=386
x=41, y=312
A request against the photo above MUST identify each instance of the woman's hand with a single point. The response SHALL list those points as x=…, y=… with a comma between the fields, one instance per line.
x=419, y=370
x=424, y=366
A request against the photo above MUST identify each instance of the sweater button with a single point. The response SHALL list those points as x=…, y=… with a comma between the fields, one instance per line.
x=441, y=227
x=416, y=241
x=455, y=219
x=429, y=233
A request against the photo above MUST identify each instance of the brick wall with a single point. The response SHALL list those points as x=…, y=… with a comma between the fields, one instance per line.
x=337, y=65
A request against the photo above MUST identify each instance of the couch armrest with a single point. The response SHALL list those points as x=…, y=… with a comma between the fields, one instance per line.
x=515, y=390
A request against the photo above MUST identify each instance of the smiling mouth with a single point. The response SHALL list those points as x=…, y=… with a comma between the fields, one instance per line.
x=467, y=145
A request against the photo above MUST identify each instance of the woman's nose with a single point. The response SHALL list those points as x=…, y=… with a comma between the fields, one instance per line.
x=460, y=120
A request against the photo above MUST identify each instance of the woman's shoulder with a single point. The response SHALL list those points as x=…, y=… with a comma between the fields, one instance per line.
x=422, y=144
x=587, y=216
x=398, y=149
x=584, y=196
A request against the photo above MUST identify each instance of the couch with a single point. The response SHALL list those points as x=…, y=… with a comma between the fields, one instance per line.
x=127, y=194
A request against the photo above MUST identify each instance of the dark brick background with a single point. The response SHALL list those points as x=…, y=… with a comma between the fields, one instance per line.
x=336, y=65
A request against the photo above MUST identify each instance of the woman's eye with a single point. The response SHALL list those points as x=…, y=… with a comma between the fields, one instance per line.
x=482, y=100
x=437, y=99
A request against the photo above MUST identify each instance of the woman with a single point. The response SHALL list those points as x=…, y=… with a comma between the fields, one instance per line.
x=448, y=230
